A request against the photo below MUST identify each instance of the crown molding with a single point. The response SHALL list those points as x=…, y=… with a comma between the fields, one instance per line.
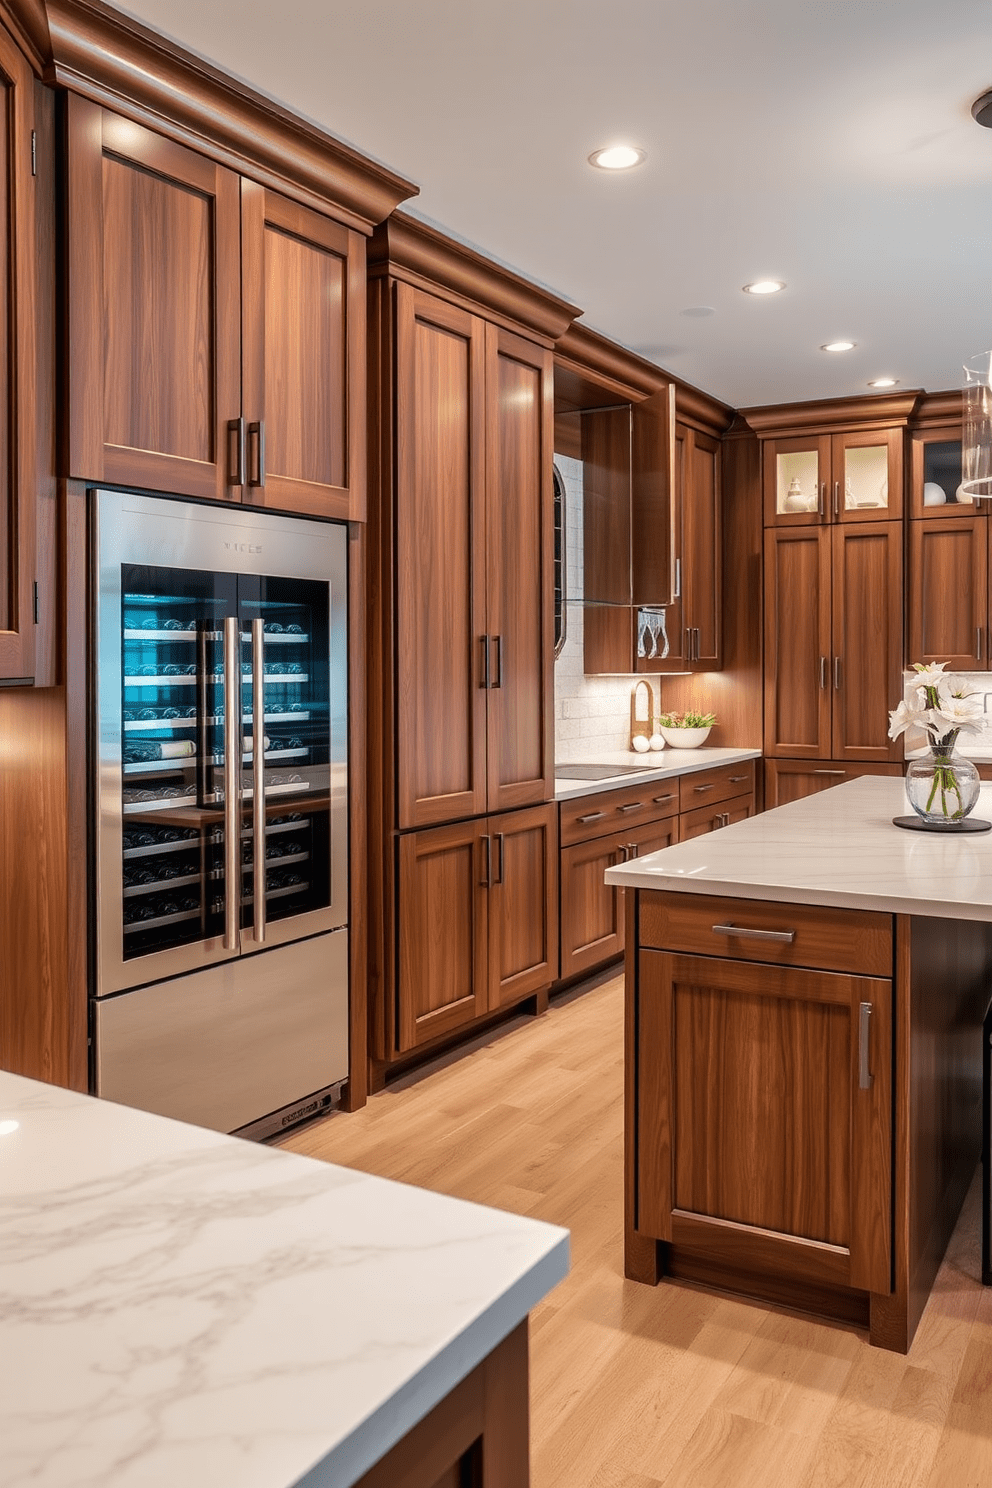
x=832, y=415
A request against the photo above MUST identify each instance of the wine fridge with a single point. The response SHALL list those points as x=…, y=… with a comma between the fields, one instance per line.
x=221, y=811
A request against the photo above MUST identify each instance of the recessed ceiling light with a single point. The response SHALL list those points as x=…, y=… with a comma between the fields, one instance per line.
x=884, y=382
x=764, y=286
x=8, y=1127
x=838, y=346
x=616, y=157
x=697, y=312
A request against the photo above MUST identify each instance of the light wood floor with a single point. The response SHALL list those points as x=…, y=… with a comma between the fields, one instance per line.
x=633, y=1387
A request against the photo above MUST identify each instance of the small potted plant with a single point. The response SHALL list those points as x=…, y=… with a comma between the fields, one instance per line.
x=685, y=730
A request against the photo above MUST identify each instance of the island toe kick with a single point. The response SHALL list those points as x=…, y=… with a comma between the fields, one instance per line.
x=803, y=1100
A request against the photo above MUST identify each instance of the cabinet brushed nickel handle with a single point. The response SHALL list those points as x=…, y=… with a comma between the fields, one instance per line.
x=632, y=806
x=624, y=852
x=487, y=882
x=256, y=448
x=499, y=845
x=823, y=672
x=821, y=504
x=677, y=590
x=499, y=661
x=708, y=786
x=837, y=673
x=484, y=642
x=865, y=1076
x=829, y=772
x=836, y=499
x=784, y=937
x=699, y=643
x=659, y=799
x=236, y=452
x=978, y=642
x=736, y=779
x=593, y=816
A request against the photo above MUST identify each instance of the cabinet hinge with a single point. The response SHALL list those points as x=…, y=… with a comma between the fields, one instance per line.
x=35, y=601
x=34, y=153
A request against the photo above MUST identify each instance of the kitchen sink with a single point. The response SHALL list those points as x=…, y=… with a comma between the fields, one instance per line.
x=598, y=772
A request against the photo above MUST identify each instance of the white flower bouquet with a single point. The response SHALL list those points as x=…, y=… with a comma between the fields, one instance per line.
x=942, y=708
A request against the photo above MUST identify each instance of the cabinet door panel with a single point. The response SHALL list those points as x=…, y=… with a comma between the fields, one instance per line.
x=935, y=461
x=154, y=296
x=797, y=642
x=948, y=592
x=592, y=925
x=443, y=932
x=523, y=904
x=670, y=643
x=796, y=480
x=867, y=638
x=701, y=525
x=520, y=424
x=866, y=476
x=18, y=436
x=754, y=1130
x=304, y=279
x=440, y=562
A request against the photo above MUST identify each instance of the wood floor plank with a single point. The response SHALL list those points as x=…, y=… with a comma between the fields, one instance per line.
x=673, y=1386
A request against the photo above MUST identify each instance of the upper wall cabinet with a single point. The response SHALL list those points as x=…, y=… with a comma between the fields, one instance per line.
x=216, y=328
x=17, y=331
x=836, y=461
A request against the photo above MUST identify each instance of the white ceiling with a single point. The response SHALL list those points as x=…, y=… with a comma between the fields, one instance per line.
x=828, y=143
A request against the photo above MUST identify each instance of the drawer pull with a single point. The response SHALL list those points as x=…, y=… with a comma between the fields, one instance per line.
x=736, y=779
x=708, y=786
x=593, y=816
x=864, y=1039
x=632, y=806
x=784, y=937
x=829, y=772
x=659, y=799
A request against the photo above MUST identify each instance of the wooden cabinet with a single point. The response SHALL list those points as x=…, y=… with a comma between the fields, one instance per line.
x=477, y=920
x=850, y=476
x=592, y=913
x=792, y=780
x=935, y=472
x=763, y=1098
x=216, y=329
x=833, y=640
x=473, y=633
x=18, y=299
x=948, y=600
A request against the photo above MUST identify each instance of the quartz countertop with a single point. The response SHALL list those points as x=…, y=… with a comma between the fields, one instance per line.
x=835, y=848
x=181, y=1307
x=660, y=764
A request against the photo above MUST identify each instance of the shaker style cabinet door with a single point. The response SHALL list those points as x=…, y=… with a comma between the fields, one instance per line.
x=866, y=675
x=764, y=1116
x=702, y=554
x=17, y=340
x=519, y=556
x=798, y=669
x=303, y=339
x=154, y=309
x=523, y=903
x=948, y=604
x=442, y=659
x=866, y=476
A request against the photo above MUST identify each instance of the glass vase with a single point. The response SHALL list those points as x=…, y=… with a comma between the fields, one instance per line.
x=942, y=787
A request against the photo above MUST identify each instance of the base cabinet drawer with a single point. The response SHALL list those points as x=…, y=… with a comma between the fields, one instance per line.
x=712, y=818
x=760, y=1141
x=793, y=780
x=706, y=787
x=592, y=912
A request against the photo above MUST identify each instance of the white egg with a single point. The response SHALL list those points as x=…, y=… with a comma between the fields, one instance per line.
x=656, y=742
x=640, y=744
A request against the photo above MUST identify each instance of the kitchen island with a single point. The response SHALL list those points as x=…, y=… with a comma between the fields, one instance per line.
x=178, y=1306
x=805, y=995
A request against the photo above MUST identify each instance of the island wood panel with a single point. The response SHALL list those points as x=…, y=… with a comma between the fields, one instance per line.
x=303, y=336
x=154, y=308
x=440, y=625
x=825, y=939
x=794, y=780
x=797, y=642
x=18, y=358
x=756, y=1144
x=523, y=904
x=867, y=638
x=702, y=552
x=443, y=914
x=948, y=605
x=478, y=1436
x=592, y=912
x=519, y=557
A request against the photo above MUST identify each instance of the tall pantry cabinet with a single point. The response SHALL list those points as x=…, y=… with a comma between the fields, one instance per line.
x=462, y=841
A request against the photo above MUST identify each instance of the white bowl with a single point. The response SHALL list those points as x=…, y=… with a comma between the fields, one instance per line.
x=684, y=738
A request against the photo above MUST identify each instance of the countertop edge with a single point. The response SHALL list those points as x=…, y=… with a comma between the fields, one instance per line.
x=708, y=759
x=394, y=1418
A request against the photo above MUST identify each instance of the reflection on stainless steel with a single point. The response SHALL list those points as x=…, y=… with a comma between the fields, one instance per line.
x=258, y=769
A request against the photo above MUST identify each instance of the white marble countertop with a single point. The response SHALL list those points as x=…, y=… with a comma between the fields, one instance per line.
x=838, y=848
x=660, y=764
x=180, y=1309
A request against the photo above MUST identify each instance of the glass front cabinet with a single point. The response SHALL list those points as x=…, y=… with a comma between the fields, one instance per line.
x=849, y=477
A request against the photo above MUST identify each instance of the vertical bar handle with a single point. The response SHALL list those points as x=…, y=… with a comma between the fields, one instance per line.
x=499, y=661
x=484, y=643
x=258, y=773
x=864, y=1038
x=978, y=642
x=236, y=452
x=487, y=882
x=836, y=498
x=837, y=673
x=256, y=448
x=232, y=782
x=821, y=505
x=823, y=672
x=677, y=590
x=499, y=848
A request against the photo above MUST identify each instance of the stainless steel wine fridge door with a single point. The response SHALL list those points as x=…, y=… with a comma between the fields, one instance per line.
x=221, y=723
